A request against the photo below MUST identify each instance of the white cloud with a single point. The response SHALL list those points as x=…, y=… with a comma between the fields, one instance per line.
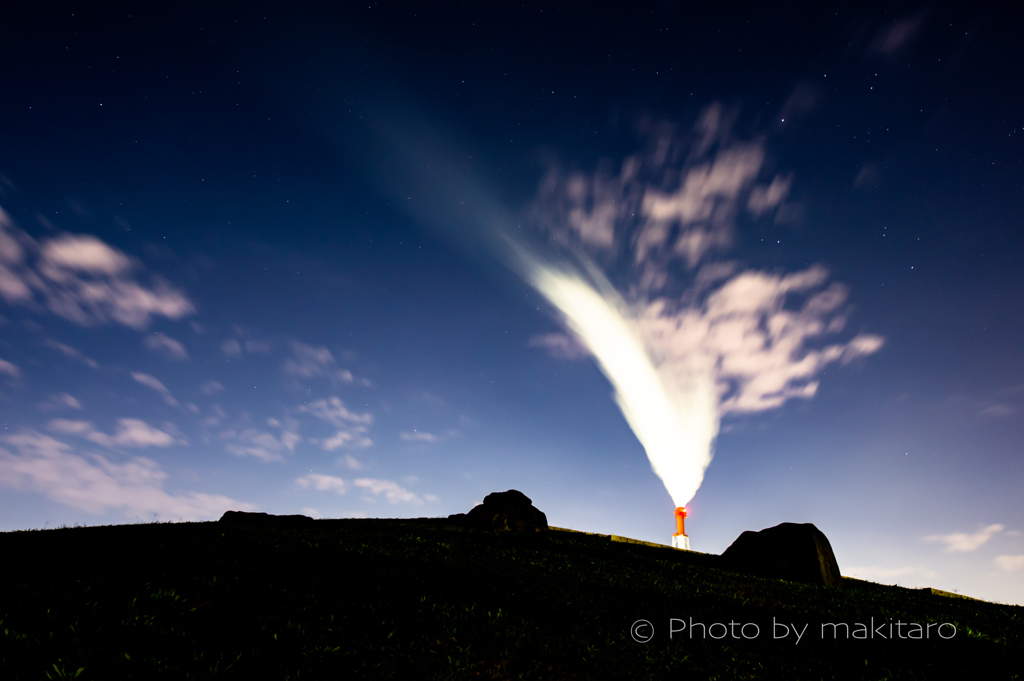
x=391, y=490
x=560, y=345
x=706, y=185
x=352, y=462
x=61, y=401
x=1010, y=563
x=351, y=428
x=133, y=433
x=333, y=410
x=417, y=436
x=311, y=512
x=210, y=387
x=217, y=416
x=83, y=253
x=161, y=342
x=155, y=384
x=998, y=410
x=263, y=446
x=257, y=346
x=9, y=369
x=289, y=440
x=752, y=343
x=70, y=427
x=231, y=348
x=653, y=200
x=889, y=40
x=352, y=437
x=763, y=199
x=95, y=485
x=129, y=433
x=678, y=199
x=867, y=175
x=82, y=279
x=71, y=352
x=962, y=542
x=322, y=483
x=308, y=361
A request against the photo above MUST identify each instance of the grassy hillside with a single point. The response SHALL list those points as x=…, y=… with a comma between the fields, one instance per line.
x=418, y=599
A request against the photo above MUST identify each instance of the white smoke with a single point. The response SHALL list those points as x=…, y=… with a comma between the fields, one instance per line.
x=682, y=338
x=671, y=411
x=731, y=342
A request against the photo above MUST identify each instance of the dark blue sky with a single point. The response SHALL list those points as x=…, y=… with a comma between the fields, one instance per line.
x=250, y=261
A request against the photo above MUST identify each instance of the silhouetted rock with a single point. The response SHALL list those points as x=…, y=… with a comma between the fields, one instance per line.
x=246, y=519
x=799, y=552
x=509, y=511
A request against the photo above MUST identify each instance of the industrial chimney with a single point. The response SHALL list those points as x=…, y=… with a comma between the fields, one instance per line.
x=679, y=539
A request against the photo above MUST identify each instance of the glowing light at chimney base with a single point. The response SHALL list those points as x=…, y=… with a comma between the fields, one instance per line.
x=679, y=539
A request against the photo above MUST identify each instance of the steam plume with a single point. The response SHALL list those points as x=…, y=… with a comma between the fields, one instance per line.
x=675, y=420
x=680, y=358
x=698, y=338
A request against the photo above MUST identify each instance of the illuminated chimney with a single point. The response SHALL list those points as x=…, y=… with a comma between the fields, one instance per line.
x=679, y=539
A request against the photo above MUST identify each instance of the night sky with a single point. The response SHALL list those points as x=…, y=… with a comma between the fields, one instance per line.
x=291, y=258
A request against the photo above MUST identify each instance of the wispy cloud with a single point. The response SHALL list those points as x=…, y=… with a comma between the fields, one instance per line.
x=94, y=484
x=322, y=483
x=755, y=345
x=308, y=361
x=333, y=410
x=70, y=426
x=164, y=343
x=71, y=352
x=391, y=491
x=418, y=436
x=560, y=345
x=155, y=384
x=231, y=348
x=352, y=437
x=60, y=401
x=351, y=427
x=894, y=36
x=654, y=210
x=129, y=433
x=998, y=410
x=1010, y=563
x=210, y=387
x=82, y=279
x=263, y=446
x=9, y=369
x=962, y=542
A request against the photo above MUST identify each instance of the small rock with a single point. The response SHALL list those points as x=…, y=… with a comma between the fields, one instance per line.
x=798, y=552
x=510, y=511
x=246, y=519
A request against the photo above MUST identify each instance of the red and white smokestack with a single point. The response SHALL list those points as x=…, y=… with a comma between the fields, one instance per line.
x=679, y=539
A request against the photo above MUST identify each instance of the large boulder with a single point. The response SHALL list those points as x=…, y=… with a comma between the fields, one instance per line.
x=798, y=552
x=246, y=519
x=510, y=511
